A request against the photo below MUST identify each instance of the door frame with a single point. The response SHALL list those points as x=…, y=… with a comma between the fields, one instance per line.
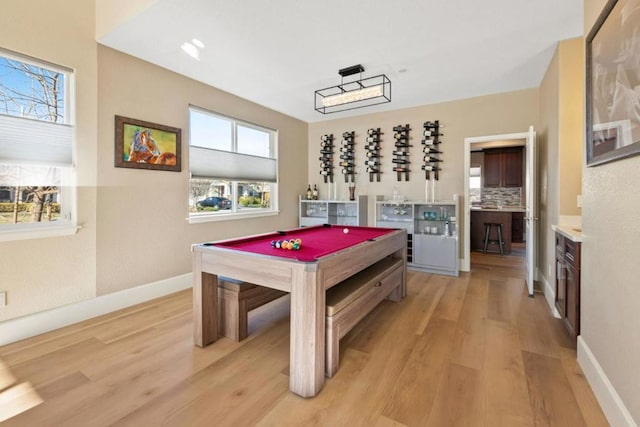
x=468, y=142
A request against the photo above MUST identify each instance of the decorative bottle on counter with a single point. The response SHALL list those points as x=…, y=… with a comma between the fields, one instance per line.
x=309, y=193
x=446, y=228
x=315, y=192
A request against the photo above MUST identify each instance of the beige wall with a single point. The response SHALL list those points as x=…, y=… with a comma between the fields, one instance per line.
x=504, y=113
x=571, y=131
x=143, y=234
x=610, y=268
x=548, y=166
x=559, y=146
x=44, y=273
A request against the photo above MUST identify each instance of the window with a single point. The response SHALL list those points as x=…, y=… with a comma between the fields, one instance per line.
x=36, y=147
x=233, y=167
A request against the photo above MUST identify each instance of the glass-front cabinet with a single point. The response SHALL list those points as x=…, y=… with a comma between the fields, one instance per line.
x=432, y=229
x=337, y=212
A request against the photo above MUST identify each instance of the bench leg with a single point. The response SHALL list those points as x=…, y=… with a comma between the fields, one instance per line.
x=232, y=316
x=395, y=294
x=332, y=358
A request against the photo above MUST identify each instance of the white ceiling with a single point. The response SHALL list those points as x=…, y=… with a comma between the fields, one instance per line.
x=278, y=52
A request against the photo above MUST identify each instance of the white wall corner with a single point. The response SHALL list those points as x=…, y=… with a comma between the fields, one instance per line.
x=38, y=323
x=609, y=400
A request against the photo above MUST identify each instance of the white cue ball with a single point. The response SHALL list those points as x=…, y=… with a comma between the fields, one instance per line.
x=345, y=230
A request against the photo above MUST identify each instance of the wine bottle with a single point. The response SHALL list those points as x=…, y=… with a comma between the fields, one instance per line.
x=347, y=156
x=372, y=139
x=328, y=137
x=428, y=149
x=431, y=159
x=400, y=153
x=430, y=168
x=401, y=128
x=401, y=169
x=326, y=144
x=315, y=192
x=373, y=170
x=375, y=131
x=429, y=132
x=372, y=163
x=373, y=154
x=309, y=193
x=403, y=145
x=348, y=134
x=429, y=124
x=372, y=147
x=326, y=172
x=400, y=161
x=346, y=163
x=430, y=142
x=401, y=138
x=326, y=152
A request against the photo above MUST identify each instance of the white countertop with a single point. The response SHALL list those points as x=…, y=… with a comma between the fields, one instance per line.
x=503, y=209
x=571, y=233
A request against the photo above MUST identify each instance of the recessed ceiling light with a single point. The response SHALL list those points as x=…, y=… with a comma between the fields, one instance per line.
x=191, y=50
x=197, y=43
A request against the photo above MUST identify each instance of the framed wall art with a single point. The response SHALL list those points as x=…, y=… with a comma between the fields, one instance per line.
x=613, y=83
x=144, y=145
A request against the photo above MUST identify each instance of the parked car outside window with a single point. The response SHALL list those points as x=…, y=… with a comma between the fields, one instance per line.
x=215, y=202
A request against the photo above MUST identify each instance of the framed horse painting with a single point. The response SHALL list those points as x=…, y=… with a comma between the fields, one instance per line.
x=144, y=145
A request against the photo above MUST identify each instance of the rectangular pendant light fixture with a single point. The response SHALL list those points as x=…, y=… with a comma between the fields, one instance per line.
x=354, y=94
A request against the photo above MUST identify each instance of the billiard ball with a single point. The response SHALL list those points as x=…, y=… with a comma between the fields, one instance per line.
x=345, y=230
x=278, y=244
x=273, y=243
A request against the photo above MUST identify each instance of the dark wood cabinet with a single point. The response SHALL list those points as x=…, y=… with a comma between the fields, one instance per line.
x=479, y=218
x=568, y=283
x=502, y=167
x=517, y=227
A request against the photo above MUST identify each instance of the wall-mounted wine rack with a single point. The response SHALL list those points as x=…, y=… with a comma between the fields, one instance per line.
x=401, y=153
x=326, y=157
x=373, y=162
x=431, y=149
x=347, y=156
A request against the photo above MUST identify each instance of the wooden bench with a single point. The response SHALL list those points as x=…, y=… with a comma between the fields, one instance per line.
x=235, y=300
x=351, y=300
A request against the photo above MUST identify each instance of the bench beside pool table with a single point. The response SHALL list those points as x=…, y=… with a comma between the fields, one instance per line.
x=327, y=257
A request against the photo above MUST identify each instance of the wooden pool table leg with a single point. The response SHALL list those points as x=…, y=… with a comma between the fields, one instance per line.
x=205, y=305
x=307, y=352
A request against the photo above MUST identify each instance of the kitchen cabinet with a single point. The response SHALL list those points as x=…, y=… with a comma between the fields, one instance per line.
x=338, y=212
x=502, y=167
x=517, y=227
x=568, y=283
x=480, y=217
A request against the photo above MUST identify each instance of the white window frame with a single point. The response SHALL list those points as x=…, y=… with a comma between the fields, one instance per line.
x=67, y=224
x=235, y=213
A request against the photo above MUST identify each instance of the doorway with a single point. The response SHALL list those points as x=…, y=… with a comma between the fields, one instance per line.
x=527, y=196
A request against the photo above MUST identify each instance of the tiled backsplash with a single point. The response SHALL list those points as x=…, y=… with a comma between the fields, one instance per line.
x=511, y=196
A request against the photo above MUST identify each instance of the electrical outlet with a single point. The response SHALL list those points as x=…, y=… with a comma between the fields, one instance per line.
x=3, y=299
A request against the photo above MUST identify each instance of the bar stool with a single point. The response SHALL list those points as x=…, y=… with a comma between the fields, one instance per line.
x=487, y=233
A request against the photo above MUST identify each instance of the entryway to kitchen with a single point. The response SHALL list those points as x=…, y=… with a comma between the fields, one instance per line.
x=500, y=204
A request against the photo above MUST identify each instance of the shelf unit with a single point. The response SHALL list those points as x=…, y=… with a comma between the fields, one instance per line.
x=432, y=233
x=337, y=212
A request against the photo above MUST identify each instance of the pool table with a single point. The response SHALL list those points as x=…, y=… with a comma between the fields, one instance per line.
x=329, y=254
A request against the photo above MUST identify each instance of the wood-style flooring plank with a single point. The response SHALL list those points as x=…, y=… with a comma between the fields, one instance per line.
x=551, y=397
x=459, y=398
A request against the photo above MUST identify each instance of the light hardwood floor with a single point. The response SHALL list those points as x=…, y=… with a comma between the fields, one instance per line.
x=472, y=351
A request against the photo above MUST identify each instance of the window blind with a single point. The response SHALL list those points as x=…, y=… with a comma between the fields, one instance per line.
x=28, y=141
x=210, y=163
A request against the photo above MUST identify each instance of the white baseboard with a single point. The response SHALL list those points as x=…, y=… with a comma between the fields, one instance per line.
x=38, y=323
x=610, y=402
x=549, y=293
